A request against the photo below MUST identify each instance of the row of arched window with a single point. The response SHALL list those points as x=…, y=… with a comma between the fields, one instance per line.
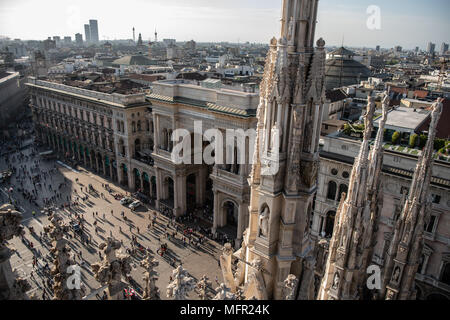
x=137, y=127
x=76, y=113
x=166, y=140
x=333, y=194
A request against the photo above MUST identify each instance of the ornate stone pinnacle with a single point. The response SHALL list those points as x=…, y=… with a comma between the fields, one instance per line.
x=224, y=293
x=290, y=284
x=320, y=43
x=181, y=284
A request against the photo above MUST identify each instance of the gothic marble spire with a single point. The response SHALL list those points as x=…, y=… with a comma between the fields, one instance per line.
x=286, y=159
x=352, y=241
x=407, y=243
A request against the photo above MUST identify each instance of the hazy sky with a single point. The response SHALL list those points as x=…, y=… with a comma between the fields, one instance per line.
x=408, y=23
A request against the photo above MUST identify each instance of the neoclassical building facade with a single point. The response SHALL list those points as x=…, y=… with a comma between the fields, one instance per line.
x=128, y=138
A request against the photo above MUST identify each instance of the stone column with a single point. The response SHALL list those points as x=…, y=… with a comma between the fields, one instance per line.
x=142, y=182
x=201, y=185
x=131, y=178
x=111, y=169
x=158, y=187
x=104, y=166
x=216, y=211
x=324, y=224
x=241, y=225
x=180, y=195
x=119, y=173
x=90, y=159
x=150, y=187
x=96, y=164
x=157, y=132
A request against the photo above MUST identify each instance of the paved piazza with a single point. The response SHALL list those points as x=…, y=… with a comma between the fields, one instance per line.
x=196, y=260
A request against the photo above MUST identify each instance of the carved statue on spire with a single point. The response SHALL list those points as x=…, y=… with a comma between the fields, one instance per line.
x=202, y=286
x=112, y=268
x=150, y=290
x=264, y=222
x=181, y=285
x=14, y=288
x=291, y=284
x=291, y=33
x=224, y=293
x=62, y=262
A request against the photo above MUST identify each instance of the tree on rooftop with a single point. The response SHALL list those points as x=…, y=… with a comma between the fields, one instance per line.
x=439, y=143
x=423, y=141
x=396, y=137
x=413, y=140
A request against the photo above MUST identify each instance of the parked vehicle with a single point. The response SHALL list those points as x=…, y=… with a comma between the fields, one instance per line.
x=126, y=201
x=76, y=227
x=135, y=205
x=5, y=176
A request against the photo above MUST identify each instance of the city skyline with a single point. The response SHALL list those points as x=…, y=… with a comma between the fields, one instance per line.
x=420, y=22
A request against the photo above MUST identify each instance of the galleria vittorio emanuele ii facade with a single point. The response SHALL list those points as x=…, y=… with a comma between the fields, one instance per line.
x=336, y=215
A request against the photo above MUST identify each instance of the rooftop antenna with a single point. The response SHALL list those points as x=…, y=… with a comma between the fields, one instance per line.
x=342, y=63
x=134, y=37
x=156, y=36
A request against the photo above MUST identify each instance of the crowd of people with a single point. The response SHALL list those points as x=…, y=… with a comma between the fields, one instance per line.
x=38, y=185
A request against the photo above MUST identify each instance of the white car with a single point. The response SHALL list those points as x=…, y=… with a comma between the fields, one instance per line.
x=125, y=201
x=135, y=205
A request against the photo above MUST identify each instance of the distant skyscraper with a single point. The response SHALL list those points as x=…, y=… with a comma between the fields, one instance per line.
x=87, y=33
x=378, y=48
x=417, y=50
x=444, y=48
x=431, y=47
x=49, y=44
x=57, y=41
x=67, y=40
x=398, y=49
x=94, y=31
x=79, y=39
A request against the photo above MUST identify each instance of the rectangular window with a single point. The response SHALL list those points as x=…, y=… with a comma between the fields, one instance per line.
x=430, y=226
x=436, y=198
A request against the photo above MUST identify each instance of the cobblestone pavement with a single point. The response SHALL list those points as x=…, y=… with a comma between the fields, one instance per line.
x=196, y=260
